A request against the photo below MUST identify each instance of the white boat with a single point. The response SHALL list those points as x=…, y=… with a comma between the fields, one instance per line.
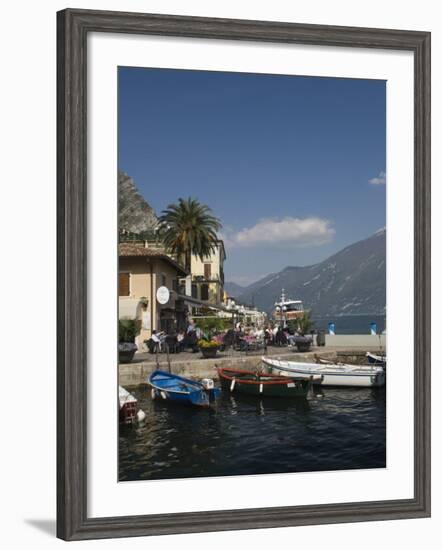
x=330, y=374
x=374, y=359
x=287, y=309
x=128, y=406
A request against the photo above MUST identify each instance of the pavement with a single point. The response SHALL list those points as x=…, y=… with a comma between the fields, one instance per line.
x=185, y=356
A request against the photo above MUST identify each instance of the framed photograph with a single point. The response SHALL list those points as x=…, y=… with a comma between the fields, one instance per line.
x=243, y=240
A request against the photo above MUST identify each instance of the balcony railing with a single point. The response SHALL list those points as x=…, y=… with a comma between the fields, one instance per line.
x=214, y=278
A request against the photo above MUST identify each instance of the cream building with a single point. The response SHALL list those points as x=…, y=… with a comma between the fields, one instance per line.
x=208, y=276
x=142, y=271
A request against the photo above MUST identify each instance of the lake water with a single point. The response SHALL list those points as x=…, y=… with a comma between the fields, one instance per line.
x=351, y=324
x=335, y=429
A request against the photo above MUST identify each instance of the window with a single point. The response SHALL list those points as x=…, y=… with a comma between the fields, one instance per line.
x=124, y=284
x=204, y=292
x=207, y=271
x=163, y=280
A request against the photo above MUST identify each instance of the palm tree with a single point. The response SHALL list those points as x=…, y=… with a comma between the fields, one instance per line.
x=305, y=323
x=189, y=227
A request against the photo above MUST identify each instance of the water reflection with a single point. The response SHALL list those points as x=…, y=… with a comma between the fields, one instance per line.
x=335, y=428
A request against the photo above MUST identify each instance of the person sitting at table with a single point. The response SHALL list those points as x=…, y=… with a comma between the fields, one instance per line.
x=191, y=341
x=180, y=340
x=154, y=342
x=280, y=337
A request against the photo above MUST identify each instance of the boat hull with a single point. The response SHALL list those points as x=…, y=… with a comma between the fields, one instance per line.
x=330, y=375
x=168, y=387
x=262, y=386
x=196, y=399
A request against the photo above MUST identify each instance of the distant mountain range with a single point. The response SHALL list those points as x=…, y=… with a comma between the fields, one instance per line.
x=234, y=289
x=135, y=215
x=351, y=282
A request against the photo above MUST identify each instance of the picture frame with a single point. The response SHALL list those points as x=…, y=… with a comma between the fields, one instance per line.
x=73, y=27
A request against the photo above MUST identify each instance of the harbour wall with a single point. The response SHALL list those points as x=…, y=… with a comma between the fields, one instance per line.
x=136, y=373
x=369, y=341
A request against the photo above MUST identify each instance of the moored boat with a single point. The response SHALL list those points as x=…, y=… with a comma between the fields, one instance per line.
x=128, y=406
x=287, y=310
x=171, y=387
x=263, y=385
x=375, y=359
x=329, y=374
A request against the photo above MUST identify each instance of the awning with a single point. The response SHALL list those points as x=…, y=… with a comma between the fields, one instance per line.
x=202, y=303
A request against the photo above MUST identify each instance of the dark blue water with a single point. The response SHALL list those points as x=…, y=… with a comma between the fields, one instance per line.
x=351, y=324
x=337, y=429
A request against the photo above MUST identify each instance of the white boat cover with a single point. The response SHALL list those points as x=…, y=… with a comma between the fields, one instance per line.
x=125, y=397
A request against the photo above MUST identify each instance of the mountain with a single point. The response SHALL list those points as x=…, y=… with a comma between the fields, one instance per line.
x=234, y=289
x=351, y=282
x=135, y=214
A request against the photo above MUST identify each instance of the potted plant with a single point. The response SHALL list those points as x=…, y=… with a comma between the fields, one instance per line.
x=127, y=330
x=209, y=348
x=305, y=324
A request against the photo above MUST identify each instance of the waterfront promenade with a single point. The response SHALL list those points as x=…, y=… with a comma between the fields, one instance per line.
x=192, y=365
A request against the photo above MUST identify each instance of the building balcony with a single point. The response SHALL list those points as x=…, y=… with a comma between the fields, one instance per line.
x=215, y=278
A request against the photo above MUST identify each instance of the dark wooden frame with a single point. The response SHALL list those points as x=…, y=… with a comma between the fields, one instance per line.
x=73, y=28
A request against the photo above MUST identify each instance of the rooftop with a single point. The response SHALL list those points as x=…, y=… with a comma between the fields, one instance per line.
x=138, y=249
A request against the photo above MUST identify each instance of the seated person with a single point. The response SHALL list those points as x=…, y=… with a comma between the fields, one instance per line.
x=280, y=337
x=171, y=341
x=153, y=344
x=191, y=341
x=180, y=340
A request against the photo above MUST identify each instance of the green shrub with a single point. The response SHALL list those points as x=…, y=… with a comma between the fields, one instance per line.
x=128, y=329
x=303, y=324
x=210, y=325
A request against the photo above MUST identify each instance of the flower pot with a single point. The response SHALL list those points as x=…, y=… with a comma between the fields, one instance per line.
x=303, y=344
x=209, y=353
x=126, y=351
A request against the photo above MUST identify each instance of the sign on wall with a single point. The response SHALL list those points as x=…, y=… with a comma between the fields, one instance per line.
x=163, y=295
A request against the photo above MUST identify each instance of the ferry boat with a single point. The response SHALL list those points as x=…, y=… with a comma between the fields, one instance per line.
x=286, y=309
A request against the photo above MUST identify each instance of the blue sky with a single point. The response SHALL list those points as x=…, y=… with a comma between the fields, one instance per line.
x=293, y=166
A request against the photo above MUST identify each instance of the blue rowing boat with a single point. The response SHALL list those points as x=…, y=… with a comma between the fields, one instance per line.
x=168, y=386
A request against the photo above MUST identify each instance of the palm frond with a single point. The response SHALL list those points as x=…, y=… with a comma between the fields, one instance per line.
x=189, y=227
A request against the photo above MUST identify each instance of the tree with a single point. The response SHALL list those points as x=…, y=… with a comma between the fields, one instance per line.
x=189, y=227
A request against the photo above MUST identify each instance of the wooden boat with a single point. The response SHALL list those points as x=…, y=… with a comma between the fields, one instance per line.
x=128, y=406
x=374, y=359
x=329, y=374
x=171, y=387
x=263, y=385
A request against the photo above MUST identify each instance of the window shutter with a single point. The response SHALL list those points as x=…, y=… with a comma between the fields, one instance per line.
x=204, y=292
x=123, y=284
x=207, y=271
